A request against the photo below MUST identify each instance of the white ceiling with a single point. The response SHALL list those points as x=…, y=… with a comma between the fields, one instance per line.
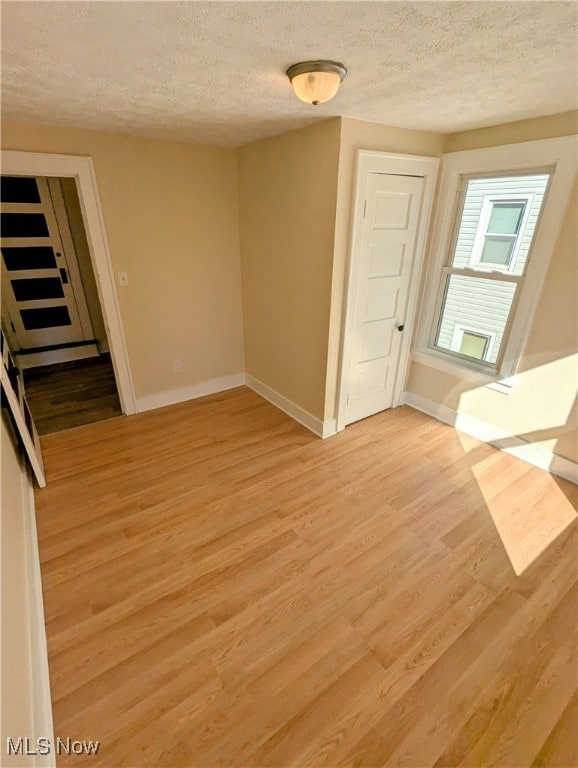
x=214, y=72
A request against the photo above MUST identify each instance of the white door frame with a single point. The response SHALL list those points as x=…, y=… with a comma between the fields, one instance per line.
x=81, y=169
x=368, y=161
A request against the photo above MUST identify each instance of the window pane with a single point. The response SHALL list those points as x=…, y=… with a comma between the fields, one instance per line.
x=45, y=318
x=506, y=218
x=19, y=189
x=23, y=225
x=35, y=257
x=477, y=303
x=474, y=345
x=497, y=250
x=36, y=288
x=485, y=188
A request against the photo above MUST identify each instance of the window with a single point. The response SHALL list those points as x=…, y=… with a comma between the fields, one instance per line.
x=485, y=269
x=494, y=233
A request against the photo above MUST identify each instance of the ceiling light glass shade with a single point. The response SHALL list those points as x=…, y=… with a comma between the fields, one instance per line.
x=316, y=82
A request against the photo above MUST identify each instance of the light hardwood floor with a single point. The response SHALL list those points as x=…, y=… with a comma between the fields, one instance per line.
x=222, y=588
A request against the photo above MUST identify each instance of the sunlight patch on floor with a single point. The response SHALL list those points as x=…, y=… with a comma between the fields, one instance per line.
x=528, y=516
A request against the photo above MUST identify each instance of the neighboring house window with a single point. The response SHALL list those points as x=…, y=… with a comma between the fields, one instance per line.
x=472, y=343
x=498, y=238
x=493, y=236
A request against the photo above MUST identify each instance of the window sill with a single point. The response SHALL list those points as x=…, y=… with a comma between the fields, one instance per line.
x=441, y=363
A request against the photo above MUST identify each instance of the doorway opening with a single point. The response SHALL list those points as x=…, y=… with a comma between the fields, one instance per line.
x=51, y=312
x=51, y=309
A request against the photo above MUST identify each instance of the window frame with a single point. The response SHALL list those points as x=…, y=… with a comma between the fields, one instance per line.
x=554, y=156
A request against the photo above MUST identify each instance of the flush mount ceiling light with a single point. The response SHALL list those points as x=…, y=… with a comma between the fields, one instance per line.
x=316, y=81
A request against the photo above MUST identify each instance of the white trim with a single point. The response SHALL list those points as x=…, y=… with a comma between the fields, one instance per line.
x=320, y=428
x=29, y=437
x=51, y=356
x=558, y=154
x=329, y=428
x=40, y=689
x=190, y=392
x=367, y=162
x=431, y=408
x=81, y=169
x=488, y=433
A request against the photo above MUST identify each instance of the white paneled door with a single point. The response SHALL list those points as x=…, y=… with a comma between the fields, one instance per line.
x=45, y=308
x=380, y=282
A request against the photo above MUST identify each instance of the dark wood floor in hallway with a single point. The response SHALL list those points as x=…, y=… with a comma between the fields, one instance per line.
x=72, y=394
x=222, y=588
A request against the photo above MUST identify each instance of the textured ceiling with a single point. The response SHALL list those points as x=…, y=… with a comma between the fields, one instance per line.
x=214, y=71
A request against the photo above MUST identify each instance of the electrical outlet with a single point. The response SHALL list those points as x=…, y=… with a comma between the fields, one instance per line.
x=123, y=279
x=177, y=366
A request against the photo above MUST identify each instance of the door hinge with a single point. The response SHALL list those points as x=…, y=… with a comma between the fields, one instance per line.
x=364, y=208
x=347, y=401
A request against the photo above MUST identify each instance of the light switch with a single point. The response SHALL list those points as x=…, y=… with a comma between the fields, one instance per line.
x=123, y=278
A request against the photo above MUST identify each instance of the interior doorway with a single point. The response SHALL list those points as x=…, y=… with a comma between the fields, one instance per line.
x=81, y=169
x=51, y=311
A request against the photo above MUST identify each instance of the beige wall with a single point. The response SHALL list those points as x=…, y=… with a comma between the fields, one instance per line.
x=548, y=127
x=542, y=407
x=171, y=216
x=287, y=193
x=17, y=710
x=357, y=134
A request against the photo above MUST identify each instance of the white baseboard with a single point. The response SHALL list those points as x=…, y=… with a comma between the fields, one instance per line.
x=312, y=423
x=320, y=428
x=329, y=428
x=488, y=433
x=40, y=677
x=430, y=407
x=191, y=392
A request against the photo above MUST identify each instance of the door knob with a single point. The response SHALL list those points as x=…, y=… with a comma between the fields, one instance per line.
x=399, y=327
